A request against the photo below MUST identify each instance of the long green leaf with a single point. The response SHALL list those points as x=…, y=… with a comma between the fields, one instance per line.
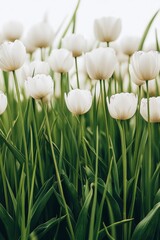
x=146, y=228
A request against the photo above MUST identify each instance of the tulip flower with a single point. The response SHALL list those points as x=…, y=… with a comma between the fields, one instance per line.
x=41, y=35
x=40, y=86
x=122, y=106
x=61, y=60
x=107, y=29
x=146, y=65
x=134, y=78
x=34, y=68
x=3, y=102
x=129, y=45
x=12, y=30
x=78, y=101
x=154, y=106
x=100, y=63
x=75, y=43
x=12, y=55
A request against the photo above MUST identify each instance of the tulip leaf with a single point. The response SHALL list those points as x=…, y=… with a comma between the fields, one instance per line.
x=147, y=227
x=147, y=31
x=80, y=230
x=14, y=150
x=7, y=221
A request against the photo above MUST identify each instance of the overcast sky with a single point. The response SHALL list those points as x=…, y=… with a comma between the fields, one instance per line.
x=135, y=14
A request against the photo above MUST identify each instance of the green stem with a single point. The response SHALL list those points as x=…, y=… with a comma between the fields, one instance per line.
x=37, y=143
x=82, y=138
x=93, y=213
x=103, y=95
x=58, y=175
x=149, y=165
x=23, y=131
x=124, y=164
x=77, y=75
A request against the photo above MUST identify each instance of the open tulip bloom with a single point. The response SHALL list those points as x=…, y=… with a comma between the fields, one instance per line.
x=122, y=106
x=154, y=109
x=78, y=101
x=12, y=55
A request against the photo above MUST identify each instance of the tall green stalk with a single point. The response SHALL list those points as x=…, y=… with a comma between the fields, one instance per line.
x=149, y=159
x=93, y=213
x=58, y=175
x=77, y=75
x=124, y=165
x=23, y=131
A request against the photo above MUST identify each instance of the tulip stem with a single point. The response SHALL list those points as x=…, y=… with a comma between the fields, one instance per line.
x=77, y=75
x=93, y=212
x=37, y=142
x=103, y=95
x=149, y=165
x=124, y=164
x=23, y=131
x=58, y=175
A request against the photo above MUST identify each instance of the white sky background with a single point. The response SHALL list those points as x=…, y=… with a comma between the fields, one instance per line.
x=135, y=14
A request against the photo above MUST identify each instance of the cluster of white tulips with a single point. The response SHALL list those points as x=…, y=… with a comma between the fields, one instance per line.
x=103, y=79
x=100, y=64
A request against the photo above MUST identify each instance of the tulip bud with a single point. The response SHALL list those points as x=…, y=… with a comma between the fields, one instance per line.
x=78, y=101
x=146, y=65
x=61, y=60
x=12, y=30
x=34, y=68
x=129, y=45
x=40, y=86
x=100, y=63
x=154, y=106
x=3, y=102
x=122, y=106
x=75, y=43
x=41, y=35
x=107, y=29
x=12, y=55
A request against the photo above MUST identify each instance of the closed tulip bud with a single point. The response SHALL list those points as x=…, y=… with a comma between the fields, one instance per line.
x=107, y=29
x=12, y=55
x=12, y=30
x=61, y=60
x=134, y=78
x=129, y=45
x=3, y=102
x=41, y=35
x=153, y=87
x=34, y=68
x=40, y=86
x=154, y=106
x=100, y=63
x=75, y=43
x=146, y=65
x=78, y=101
x=122, y=106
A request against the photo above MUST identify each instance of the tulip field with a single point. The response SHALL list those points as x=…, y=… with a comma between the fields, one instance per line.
x=79, y=133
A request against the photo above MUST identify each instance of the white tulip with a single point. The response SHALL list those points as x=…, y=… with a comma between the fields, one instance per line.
x=107, y=29
x=146, y=65
x=40, y=86
x=12, y=55
x=153, y=87
x=129, y=45
x=41, y=35
x=33, y=68
x=134, y=78
x=154, y=107
x=12, y=30
x=78, y=101
x=100, y=63
x=75, y=43
x=122, y=106
x=3, y=102
x=61, y=60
